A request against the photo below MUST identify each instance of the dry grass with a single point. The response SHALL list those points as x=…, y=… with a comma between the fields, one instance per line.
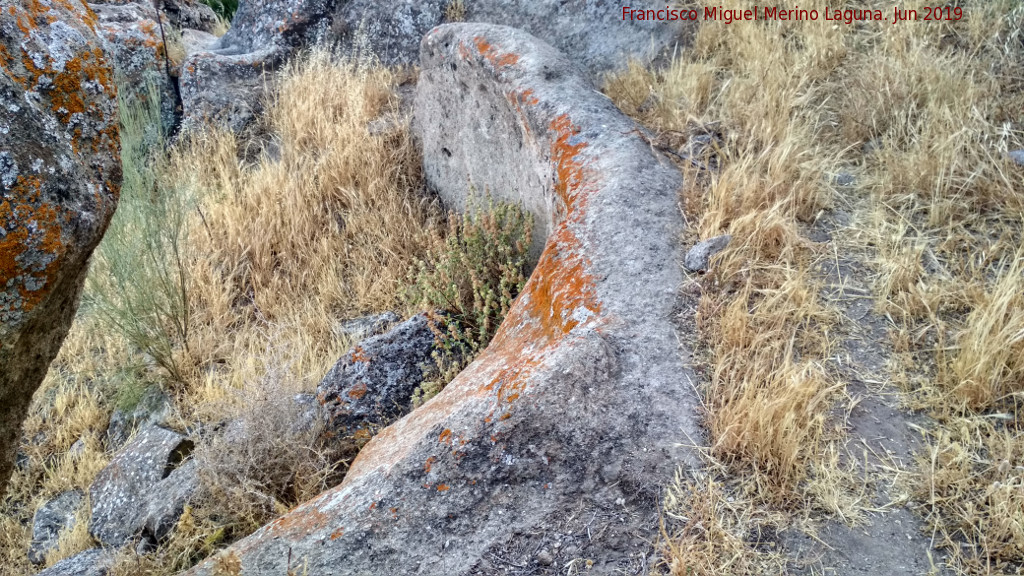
x=320, y=220
x=758, y=94
x=921, y=114
x=706, y=532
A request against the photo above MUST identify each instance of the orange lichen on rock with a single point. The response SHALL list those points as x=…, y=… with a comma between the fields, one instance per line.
x=497, y=59
x=358, y=391
x=359, y=355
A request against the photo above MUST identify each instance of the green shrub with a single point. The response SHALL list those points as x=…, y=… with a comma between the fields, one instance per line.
x=473, y=275
x=137, y=282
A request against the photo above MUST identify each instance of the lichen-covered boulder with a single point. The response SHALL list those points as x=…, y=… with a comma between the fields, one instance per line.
x=60, y=176
x=131, y=36
x=121, y=493
x=561, y=435
x=373, y=383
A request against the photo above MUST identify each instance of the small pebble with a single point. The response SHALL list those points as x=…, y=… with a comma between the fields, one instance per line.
x=544, y=558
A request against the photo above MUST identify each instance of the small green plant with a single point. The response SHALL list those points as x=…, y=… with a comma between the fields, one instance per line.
x=473, y=275
x=137, y=283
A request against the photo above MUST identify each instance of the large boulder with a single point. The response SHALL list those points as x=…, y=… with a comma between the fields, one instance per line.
x=567, y=426
x=60, y=176
x=373, y=383
x=224, y=84
x=122, y=492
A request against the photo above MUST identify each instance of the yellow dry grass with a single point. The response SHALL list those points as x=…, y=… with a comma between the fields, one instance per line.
x=922, y=115
x=760, y=94
x=324, y=224
x=320, y=219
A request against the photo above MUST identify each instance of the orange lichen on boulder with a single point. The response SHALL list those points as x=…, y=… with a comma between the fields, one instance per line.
x=496, y=58
x=59, y=176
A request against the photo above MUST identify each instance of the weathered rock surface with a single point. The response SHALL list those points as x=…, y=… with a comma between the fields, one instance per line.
x=94, y=562
x=132, y=38
x=180, y=14
x=591, y=33
x=194, y=41
x=698, y=258
x=225, y=83
x=190, y=14
x=122, y=491
x=153, y=409
x=566, y=427
x=52, y=518
x=373, y=383
x=60, y=177
x=168, y=499
x=264, y=34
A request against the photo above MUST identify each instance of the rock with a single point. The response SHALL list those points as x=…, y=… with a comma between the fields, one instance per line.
x=152, y=410
x=844, y=179
x=367, y=326
x=78, y=448
x=60, y=176
x=224, y=84
x=308, y=416
x=699, y=257
x=121, y=492
x=94, y=562
x=583, y=375
x=265, y=34
x=374, y=382
x=223, y=87
x=132, y=39
x=52, y=518
x=168, y=500
x=190, y=14
x=591, y=33
x=1017, y=156
x=197, y=41
x=544, y=558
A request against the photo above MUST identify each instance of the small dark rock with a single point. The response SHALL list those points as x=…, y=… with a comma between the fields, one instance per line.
x=844, y=179
x=544, y=558
x=52, y=518
x=699, y=257
x=374, y=382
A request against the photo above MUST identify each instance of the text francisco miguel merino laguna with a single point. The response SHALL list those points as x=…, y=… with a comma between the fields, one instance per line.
x=847, y=16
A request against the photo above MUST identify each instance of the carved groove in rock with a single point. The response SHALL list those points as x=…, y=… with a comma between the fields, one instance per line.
x=569, y=424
